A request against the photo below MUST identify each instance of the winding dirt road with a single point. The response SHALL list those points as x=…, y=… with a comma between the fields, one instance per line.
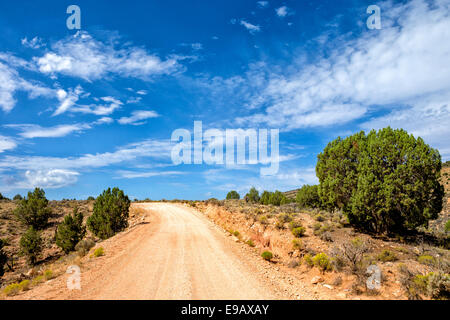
x=177, y=254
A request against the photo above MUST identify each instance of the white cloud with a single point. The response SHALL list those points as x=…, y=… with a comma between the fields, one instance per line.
x=34, y=43
x=133, y=174
x=137, y=117
x=83, y=56
x=104, y=120
x=7, y=143
x=11, y=82
x=250, y=27
x=67, y=99
x=263, y=4
x=283, y=11
x=112, y=104
x=49, y=179
x=156, y=149
x=31, y=131
x=401, y=70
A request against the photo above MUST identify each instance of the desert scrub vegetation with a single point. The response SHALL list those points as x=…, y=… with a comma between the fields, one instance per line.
x=323, y=262
x=33, y=210
x=83, y=247
x=99, y=252
x=70, y=231
x=434, y=285
x=12, y=289
x=427, y=260
x=110, y=213
x=267, y=255
x=386, y=181
x=299, y=232
x=250, y=243
x=31, y=245
x=387, y=256
x=25, y=285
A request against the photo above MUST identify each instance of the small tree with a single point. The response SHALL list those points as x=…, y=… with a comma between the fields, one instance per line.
x=3, y=257
x=233, y=195
x=308, y=196
x=110, y=213
x=33, y=210
x=31, y=245
x=70, y=231
x=2, y=197
x=265, y=197
x=276, y=198
x=17, y=197
x=252, y=195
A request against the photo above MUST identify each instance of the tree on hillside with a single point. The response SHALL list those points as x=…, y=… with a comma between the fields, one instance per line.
x=277, y=198
x=17, y=197
x=385, y=181
x=233, y=195
x=70, y=231
x=33, y=210
x=110, y=213
x=252, y=195
x=31, y=245
x=265, y=197
x=308, y=196
x=337, y=171
x=398, y=183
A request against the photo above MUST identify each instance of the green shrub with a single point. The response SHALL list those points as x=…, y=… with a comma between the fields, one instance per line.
x=434, y=285
x=250, y=243
x=322, y=261
x=447, y=226
x=99, y=252
x=297, y=244
x=319, y=218
x=48, y=275
x=267, y=255
x=70, y=231
x=25, y=285
x=236, y=234
x=17, y=197
x=308, y=196
x=84, y=246
x=252, y=195
x=294, y=224
x=427, y=259
x=38, y=280
x=12, y=289
x=110, y=213
x=386, y=256
x=387, y=181
x=233, y=195
x=308, y=260
x=298, y=232
x=90, y=198
x=263, y=220
x=33, y=210
x=284, y=217
x=31, y=245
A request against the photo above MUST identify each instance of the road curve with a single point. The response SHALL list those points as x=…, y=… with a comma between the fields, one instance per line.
x=179, y=254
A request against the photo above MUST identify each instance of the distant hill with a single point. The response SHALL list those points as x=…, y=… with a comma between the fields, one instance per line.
x=291, y=194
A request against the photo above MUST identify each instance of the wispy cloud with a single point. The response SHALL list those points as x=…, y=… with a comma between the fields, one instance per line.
x=34, y=43
x=137, y=117
x=250, y=27
x=83, y=56
x=283, y=11
x=134, y=174
x=7, y=143
x=31, y=131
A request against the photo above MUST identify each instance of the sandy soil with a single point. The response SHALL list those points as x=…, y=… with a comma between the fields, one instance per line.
x=175, y=253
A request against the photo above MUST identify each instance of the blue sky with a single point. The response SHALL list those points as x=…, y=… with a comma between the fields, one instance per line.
x=82, y=110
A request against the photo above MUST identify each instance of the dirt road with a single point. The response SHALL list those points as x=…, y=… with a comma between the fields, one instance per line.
x=178, y=254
